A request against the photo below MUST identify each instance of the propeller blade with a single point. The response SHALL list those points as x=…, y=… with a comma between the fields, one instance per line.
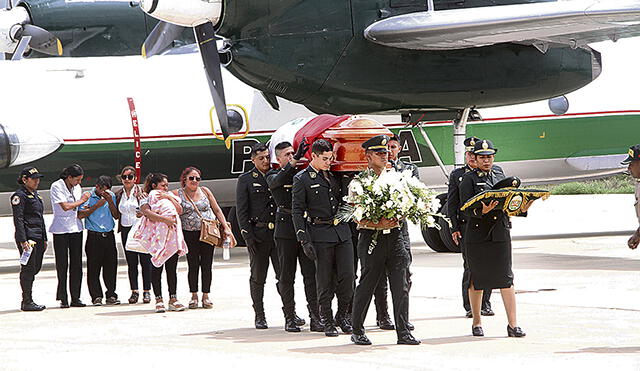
x=41, y=40
x=206, y=38
x=160, y=38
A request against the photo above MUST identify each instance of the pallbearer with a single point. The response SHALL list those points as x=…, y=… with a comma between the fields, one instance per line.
x=290, y=251
x=31, y=234
x=256, y=211
x=389, y=255
x=324, y=238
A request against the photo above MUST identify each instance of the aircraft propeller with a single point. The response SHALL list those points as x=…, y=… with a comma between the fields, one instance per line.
x=161, y=38
x=18, y=33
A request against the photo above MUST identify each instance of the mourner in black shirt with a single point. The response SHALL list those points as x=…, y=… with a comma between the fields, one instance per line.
x=29, y=224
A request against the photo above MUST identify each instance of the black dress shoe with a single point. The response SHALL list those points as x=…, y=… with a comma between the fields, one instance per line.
x=299, y=321
x=330, y=330
x=487, y=312
x=385, y=323
x=408, y=339
x=64, y=304
x=515, y=332
x=360, y=339
x=315, y=326
x=261, y=323
x=477, y=331
x=469, y=314
x=410, y=326
x=291, y=326
x=30, y=306
x=344, y=325
x=78, y=304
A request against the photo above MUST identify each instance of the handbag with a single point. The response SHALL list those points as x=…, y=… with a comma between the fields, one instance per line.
x=132, y=244
x=210, y=228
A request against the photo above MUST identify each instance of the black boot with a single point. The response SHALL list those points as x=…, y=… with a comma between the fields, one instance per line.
x=29, y=306
x=299, y=321
x=385, y=323
x=328, y=325
x=343, y=321
x=290, y=321
x=260, y=320
x=315, y=325
x=383, y=320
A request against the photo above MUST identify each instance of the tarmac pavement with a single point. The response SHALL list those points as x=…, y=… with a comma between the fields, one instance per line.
x=578, y=300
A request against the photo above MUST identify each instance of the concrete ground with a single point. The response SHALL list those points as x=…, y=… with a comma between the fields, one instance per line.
x=578, y=300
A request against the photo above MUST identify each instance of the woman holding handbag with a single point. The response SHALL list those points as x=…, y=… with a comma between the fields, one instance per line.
x=128, y=202
x=199, y=206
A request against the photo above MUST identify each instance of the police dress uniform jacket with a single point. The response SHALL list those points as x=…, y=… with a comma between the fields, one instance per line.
x=255, y=207
x=316, y=200
x=487, y=237
x=280, y=183
x=400, y=165
x=27, y=215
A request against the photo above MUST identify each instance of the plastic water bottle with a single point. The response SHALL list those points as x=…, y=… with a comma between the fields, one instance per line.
x=26, y=253
x=226, y=245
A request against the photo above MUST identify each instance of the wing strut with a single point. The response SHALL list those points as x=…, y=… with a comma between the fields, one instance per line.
x=459, y=134
x=434, y=152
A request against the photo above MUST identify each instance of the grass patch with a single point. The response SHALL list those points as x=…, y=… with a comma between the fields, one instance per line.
x=617, y=184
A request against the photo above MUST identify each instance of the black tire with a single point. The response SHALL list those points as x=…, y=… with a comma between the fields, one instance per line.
x=432, y=238
x=432, y=235
x=445, y=236
x=233, y=219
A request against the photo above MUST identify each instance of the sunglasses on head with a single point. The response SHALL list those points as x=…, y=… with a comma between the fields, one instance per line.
x=129, y=177
x=194, y=178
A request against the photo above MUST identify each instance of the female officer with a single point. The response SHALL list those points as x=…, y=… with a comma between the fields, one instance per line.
x=29, y=224
x=488, y=241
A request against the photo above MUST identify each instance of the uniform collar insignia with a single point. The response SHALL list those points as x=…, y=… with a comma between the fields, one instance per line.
x=313, y=174
x=254, y=174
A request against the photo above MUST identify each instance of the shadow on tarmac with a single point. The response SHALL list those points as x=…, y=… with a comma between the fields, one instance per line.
x=605, y=350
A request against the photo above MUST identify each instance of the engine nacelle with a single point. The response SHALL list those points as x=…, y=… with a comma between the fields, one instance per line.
x=10, y=22
x=187, y=13
x=21, y=145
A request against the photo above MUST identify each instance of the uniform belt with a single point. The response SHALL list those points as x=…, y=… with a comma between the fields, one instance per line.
x=269, y=225
x=377, y=229
x=284, y=210
x=101, y=234
x=317, y=221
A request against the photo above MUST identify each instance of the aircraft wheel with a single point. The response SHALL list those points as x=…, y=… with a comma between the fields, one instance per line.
x=432, y=238
x=232, y=218
x=445, y=236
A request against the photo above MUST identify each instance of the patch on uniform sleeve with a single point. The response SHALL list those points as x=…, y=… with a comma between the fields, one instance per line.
x=15, y=200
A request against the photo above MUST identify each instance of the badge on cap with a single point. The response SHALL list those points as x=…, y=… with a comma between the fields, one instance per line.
x=485, y=145
x=384, y=142
x=15, y=200
x=472, y=142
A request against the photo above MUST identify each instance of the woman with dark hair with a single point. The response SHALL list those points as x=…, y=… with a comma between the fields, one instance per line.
x=128, y=202
x=156, y=188
x=200, y=255
x=66, y=197
x=31, y=234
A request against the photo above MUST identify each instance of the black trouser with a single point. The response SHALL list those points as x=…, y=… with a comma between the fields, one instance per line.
x=391, y=256
x=334, y=272
x=172, y=277
x=68, y=254
x=380, y=293
x=101, y=256
x=404, y=230
x=133, y=259
x=290, y=253
x=199, y=258
x=466, y=282
x=28, y=271
x=259, y=265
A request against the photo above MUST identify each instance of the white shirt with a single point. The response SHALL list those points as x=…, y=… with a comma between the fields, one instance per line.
x=128, y=207
x=64, y=221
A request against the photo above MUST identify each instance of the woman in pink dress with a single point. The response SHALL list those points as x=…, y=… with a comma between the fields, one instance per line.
x=160, y=233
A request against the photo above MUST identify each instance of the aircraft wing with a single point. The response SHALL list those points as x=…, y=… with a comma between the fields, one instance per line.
x=568, y=22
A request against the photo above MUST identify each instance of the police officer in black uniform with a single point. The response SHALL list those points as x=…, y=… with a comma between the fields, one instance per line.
x=256, y=212
x=289, y=250
x=400, y=165
x=29, y=223
x=488, y=240
x=324, y=238
x=458, y=220
x=389, y=254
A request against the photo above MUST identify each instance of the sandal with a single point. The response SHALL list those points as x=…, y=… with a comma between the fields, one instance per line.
x=207, y=304
x=176, y=306
x=134, y=297
x=146, y=297
x=193, y=304
x=160, y=307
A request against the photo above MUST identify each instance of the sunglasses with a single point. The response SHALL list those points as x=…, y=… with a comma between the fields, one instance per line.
x=194, y=178
x=129, y=177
